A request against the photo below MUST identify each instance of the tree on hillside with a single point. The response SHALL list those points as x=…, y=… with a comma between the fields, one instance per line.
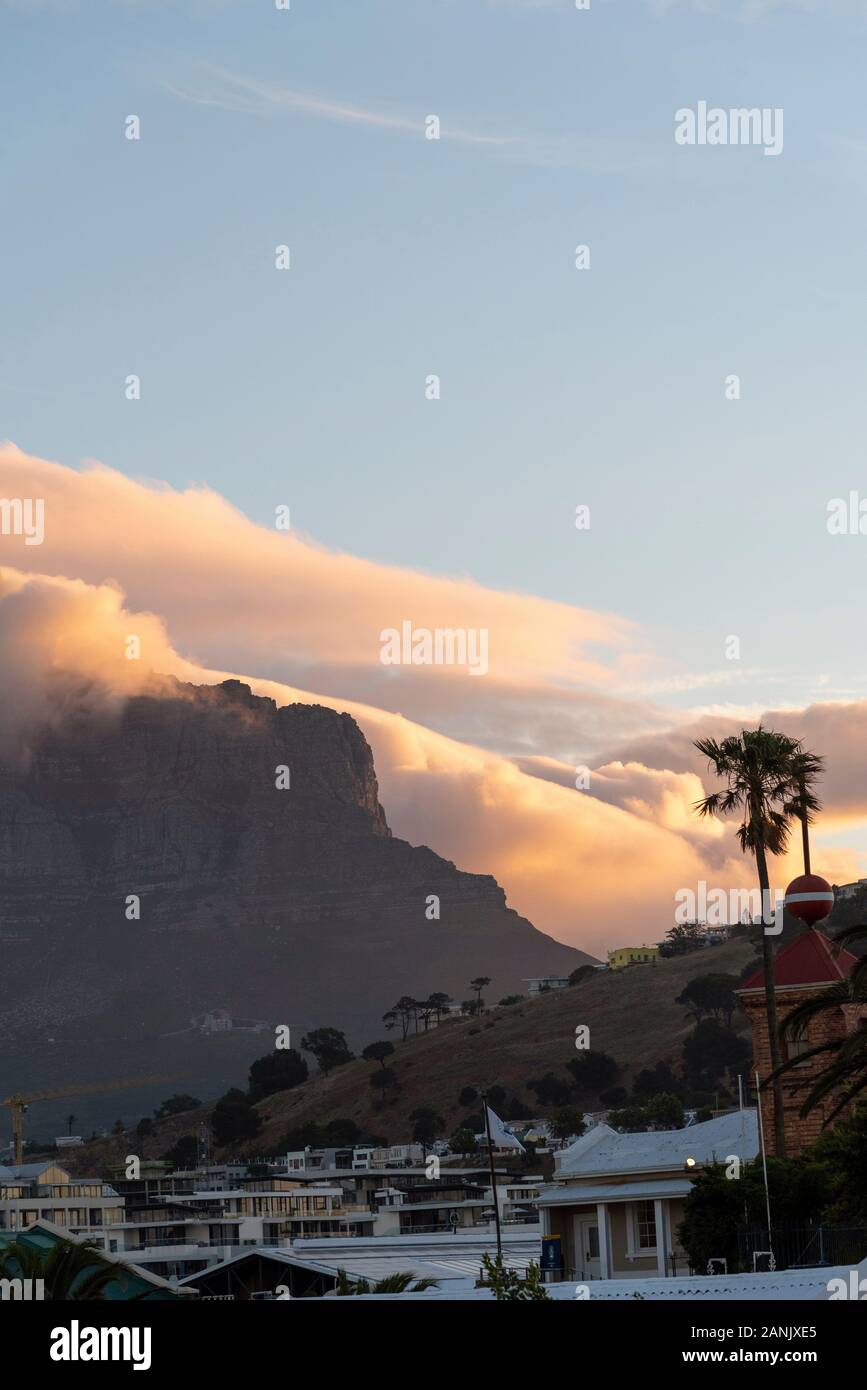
x=463, y=1141
x=341, y=1130
x=478, y=984
x=438, y=1004
x=511, y=999
x=378, y=1051
x=401, y=1014
x=550, y=1090
x=593, y=1072
x=665, y=1112
x=653, y=1081
x=183, y=1154
x=426, y=1125
x=710, y=996
x=710, y=1051
x=468, y=1096
x=176, y=1105
x=632, y=1119
x=328, y=1046
x=567, y=1121
x=276, y=1071
x=383, y=1080
x=584, y=972
x=768, y=781
x=684, y=937
x=234, y=1119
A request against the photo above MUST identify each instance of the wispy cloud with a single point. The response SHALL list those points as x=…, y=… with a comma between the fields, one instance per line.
x=209, y=85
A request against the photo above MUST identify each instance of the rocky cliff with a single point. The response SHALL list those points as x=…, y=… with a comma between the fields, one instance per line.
x=257, y=905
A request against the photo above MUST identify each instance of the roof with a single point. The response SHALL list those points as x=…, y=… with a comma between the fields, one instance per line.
x=568, y=1194
x=790, y=1285
x=26, y=1172
x=604, y=1151
x=810, y=959
x=454, y=1260
x=131, y=1281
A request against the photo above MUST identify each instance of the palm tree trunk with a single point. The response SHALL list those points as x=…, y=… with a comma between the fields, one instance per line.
x=771, y=1007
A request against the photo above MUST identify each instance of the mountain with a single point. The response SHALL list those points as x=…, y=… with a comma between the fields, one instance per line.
x=258, y=905
x=631, y=1014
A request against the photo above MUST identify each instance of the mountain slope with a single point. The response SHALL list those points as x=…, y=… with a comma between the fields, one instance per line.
x=631, y=1014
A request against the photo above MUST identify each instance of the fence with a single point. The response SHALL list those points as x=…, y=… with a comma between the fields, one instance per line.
x=804, y=1247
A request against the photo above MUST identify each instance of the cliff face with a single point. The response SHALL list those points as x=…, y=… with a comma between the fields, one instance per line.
x=293, y=906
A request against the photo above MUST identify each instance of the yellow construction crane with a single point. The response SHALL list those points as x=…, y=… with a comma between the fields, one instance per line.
x=18, y=1104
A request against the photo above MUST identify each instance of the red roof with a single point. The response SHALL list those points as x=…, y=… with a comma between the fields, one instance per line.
x=811, y=959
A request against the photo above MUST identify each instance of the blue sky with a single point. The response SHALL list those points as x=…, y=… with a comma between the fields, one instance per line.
x=455, y=257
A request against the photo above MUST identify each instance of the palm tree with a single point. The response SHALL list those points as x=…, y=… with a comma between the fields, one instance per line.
x=806, y=769
x=398, y=1282
x=478, y=984
x=846, y=1057
x=768, y=780
x=70, y=1269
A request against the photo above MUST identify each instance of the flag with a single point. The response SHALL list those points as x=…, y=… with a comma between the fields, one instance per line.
x=500, y=1136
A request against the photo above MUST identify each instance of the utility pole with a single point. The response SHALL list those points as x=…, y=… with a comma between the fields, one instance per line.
x=765, y=1169
x=493, y=1176
x=805, y=829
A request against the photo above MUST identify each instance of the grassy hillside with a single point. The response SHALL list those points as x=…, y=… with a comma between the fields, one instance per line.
x=631, y=1014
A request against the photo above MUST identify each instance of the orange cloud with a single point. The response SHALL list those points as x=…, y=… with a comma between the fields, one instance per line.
x=256, y=598
x=210, y=595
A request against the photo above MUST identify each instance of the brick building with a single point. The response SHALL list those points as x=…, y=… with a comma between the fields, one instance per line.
x=802, y=970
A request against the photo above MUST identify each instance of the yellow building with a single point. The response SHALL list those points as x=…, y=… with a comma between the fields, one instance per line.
x=631, y=955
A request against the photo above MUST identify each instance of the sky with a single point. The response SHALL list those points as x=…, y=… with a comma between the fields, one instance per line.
x=604, y=387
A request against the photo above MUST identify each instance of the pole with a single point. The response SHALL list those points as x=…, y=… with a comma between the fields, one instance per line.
x=493, y=1176
x=764, y=1166
x=805, y=829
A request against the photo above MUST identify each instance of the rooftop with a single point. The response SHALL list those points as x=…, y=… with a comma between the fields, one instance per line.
x=810, y=959
x=604, y=1151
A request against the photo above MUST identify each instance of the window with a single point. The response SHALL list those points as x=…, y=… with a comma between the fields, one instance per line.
x=645, y=1226
x=319, y=1204
x=796, y=1047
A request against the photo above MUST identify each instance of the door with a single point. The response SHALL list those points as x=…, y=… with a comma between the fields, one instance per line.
x=587, y=1262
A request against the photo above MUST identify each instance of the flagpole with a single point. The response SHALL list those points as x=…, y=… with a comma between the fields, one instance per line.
x=493, y=1176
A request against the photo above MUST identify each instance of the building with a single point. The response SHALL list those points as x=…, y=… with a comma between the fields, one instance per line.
x=803, y=969
x=542, y=983
x=850, y=890
x=618, y=1198
x=631, y=955
x=43, y=1191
